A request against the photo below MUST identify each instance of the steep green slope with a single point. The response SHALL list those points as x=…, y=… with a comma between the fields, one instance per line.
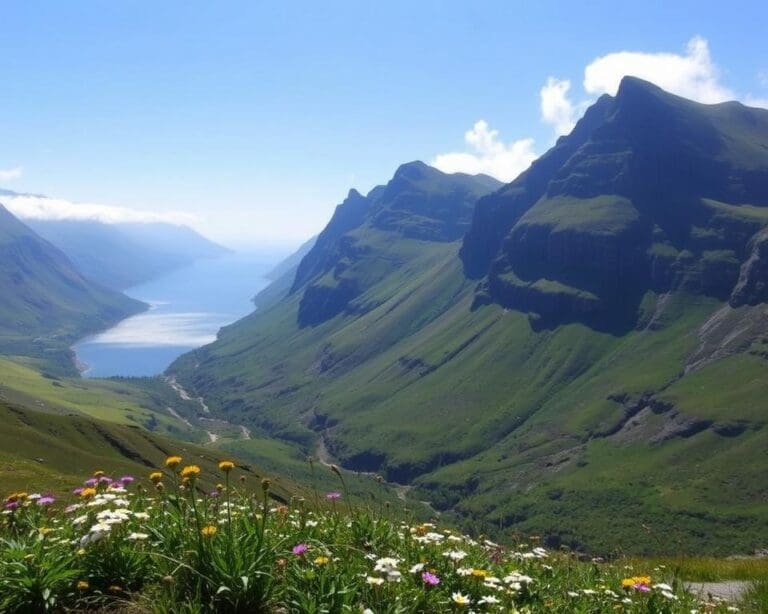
x=650, y=192
x=53, y=453
x=45, y=304
x=544, y=381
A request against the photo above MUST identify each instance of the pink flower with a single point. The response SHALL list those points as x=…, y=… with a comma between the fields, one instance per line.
x=430, y=578
x=643, y=588
x=126, y=479
x=91, y=482
x=77, y=491
x=300, y=549
x=46, y=500
x=333, y=496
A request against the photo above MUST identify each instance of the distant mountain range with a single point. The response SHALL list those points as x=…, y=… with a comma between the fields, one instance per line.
x=122, y=254
x=45, y=302
x=580, y=353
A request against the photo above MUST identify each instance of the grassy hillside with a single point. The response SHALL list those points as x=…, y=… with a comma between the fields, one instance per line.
x=45, y=452
x=45, y=303
x=583, y=436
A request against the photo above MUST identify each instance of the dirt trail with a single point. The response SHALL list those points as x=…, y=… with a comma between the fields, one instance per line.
x=732, y=590
x=325, y=458
x=185, y=396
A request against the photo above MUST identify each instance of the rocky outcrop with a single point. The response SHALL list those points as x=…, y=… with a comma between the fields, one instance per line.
x=752, y=286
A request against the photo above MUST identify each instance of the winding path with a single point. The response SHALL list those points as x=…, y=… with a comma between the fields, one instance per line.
x=204, y=409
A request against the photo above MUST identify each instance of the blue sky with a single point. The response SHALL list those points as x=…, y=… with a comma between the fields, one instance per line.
x=255, y=118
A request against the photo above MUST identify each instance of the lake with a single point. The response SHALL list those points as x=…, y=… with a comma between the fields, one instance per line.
x=187, y=308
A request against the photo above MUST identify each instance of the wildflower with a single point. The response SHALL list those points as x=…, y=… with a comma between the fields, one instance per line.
x=416, y=568
x=265, y=484
x=126, y=479
x=322, y=560
x=460, y=599
x=639, y=583
x=455, y=555
x=87, y=493
x=138, y=536
x=115, y=589
x=172, y=461
x=300, y=549
x=479, y=573
x=155, y=476
x=46, y=500
x=190, y=471
x=209, y=531
x=226, y=466
x=98, y=474
x=386, y=564
x=374, y=581
x=83, y=585
x=489, y=599
x=333, y=496
x=91, y=482
x=430, y=579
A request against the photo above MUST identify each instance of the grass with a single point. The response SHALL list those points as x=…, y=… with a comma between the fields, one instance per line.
x=165, y=545
x=709, y=569
x=26, y=382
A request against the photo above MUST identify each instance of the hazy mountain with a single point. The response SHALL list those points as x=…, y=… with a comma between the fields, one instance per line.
x=592, y=362
x=45, y=303
x=290, y=264
x=125, y=254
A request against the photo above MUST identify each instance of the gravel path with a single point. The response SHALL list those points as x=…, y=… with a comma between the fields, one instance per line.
x=730, y=591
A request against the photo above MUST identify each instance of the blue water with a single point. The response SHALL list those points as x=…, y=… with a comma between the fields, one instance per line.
x=188, y=306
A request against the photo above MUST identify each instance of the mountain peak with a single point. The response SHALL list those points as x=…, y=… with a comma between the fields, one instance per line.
x=413, y=170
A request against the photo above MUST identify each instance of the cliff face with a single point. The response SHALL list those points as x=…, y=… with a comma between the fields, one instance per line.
x=371, y=235
x=649, y=192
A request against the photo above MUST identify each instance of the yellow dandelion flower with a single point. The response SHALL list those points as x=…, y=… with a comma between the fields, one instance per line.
x=209, y=530
x=172, y=461
x=83, y=585
x=87, y=493
x=98, y=474
x=479, y=573
x=322, y=560
x=115, y=589
x=190, y=471
x=155, y=476
x=226, y=466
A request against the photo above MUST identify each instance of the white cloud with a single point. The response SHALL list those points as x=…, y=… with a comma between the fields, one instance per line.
x=491, y=156
x=556, y=108
x=28, y=206
x=10, y=173
x=693, y=75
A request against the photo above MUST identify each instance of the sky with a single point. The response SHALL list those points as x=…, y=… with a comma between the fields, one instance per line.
x=251, y=120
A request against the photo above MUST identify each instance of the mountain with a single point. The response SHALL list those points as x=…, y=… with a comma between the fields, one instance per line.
x=649, y=192
x=45, y=303
x=581, y=354
x=121, y=255
x=289, y=265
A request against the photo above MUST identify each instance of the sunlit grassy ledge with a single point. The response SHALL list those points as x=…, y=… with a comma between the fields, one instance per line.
x=163, y=544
